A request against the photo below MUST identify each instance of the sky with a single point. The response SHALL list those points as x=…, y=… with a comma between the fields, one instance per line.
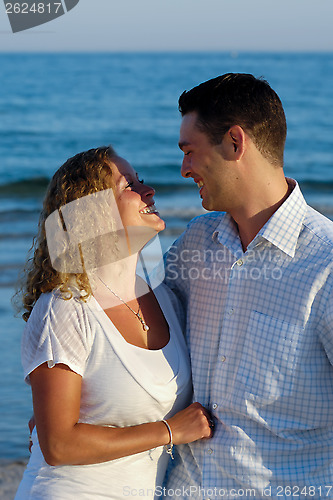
x=179, y=25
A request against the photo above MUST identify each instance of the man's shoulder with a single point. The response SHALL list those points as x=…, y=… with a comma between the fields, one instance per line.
x=208, y=221
x=200, y=228
x=198, y=231
x=320, y=226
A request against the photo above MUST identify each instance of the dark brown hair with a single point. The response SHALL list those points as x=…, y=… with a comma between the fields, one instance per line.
x=239, y=99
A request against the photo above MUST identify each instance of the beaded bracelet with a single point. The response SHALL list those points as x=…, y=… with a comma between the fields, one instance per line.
x=169, y=447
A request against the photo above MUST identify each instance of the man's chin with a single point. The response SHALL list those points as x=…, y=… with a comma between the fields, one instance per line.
x=206, y=205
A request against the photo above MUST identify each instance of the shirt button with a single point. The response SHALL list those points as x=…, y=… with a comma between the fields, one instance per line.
x=215, y=406
x=231, y=311
x=223, y=358
x=209, y=451
x=240, y=262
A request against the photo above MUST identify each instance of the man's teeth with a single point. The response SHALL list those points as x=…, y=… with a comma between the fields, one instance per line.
x=148, y=210
x=200, y=184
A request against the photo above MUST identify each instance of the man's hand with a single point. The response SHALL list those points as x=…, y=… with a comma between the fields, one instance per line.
x=31, y=425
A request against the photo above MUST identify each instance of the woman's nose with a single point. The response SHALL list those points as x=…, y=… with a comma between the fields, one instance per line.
x=149, y=191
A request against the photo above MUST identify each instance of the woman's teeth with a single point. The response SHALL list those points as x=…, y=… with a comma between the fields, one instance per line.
x=148, y=210
x=200, y=184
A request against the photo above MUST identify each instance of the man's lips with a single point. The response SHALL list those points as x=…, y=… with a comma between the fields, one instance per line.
x=199, y=182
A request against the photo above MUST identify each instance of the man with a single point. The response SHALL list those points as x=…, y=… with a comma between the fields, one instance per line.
x=256, y=283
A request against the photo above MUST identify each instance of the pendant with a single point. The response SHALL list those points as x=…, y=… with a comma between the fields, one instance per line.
x=145, y=326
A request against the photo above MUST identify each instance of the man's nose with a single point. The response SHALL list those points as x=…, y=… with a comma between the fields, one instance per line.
x=186, y=167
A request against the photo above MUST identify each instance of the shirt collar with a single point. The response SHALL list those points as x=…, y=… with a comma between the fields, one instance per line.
x=282, y=229
x=227, y=234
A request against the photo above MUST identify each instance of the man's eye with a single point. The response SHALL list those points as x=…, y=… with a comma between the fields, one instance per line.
x=187, y=153
x=141, y=181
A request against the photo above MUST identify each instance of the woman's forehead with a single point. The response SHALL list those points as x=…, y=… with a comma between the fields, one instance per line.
x=121, y=168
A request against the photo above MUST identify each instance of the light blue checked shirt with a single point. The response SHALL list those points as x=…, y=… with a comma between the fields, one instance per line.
x=260, y=335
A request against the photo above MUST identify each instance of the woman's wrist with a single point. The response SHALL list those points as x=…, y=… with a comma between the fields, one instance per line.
x=169, y=446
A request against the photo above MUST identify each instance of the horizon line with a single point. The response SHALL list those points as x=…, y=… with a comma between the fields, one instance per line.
x=234, y=53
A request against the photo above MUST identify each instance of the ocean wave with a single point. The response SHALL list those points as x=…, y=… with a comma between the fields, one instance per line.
x=16, y=236
x=9, y=274
x=324, y=209
x=18, y=215
x=183, y=213
x=37, y=185
x=25, y=187
x=173, y=185
x=316, y=184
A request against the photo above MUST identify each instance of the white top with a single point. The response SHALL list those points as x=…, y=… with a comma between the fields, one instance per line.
x=122, y=385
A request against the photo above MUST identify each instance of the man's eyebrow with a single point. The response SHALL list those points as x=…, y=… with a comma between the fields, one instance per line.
x=182, y=144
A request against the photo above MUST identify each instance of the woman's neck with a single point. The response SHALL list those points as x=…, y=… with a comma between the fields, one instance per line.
x=117, y=279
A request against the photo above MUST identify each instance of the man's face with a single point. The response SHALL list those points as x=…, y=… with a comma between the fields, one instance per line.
x=207, y=164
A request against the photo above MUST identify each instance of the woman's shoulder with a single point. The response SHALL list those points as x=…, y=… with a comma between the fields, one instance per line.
x=63, y=304
x=57, y=331
x=61, y=317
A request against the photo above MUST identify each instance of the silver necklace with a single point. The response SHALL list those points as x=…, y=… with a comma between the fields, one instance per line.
x=143, y=323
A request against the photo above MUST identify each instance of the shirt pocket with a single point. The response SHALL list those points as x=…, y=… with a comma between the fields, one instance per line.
x=269, y=358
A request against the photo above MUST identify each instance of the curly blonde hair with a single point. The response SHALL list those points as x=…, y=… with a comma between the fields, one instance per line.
x=83, y=174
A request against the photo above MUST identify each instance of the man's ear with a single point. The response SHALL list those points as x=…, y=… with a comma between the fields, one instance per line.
x=236, y=140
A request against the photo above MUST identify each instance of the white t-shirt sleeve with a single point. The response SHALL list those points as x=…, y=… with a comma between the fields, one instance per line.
x=57, y=332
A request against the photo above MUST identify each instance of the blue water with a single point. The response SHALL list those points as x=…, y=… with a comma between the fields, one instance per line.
x=53, y=106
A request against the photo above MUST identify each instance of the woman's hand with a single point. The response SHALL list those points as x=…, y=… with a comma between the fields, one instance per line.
x=191, y=424
x=64, y=441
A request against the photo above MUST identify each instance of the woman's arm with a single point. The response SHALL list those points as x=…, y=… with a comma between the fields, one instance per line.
x=56, y=399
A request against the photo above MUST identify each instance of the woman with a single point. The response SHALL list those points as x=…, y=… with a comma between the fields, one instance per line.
x=104, y=354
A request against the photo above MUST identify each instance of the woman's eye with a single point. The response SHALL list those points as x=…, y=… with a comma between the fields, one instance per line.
x=130, y=184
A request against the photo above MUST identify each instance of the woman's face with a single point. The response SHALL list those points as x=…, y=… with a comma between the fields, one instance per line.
x=134, y=199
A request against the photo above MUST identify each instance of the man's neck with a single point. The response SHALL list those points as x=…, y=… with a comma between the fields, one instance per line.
x=252, y=217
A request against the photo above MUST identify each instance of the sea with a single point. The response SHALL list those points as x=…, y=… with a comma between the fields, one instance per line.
x=53, y=106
